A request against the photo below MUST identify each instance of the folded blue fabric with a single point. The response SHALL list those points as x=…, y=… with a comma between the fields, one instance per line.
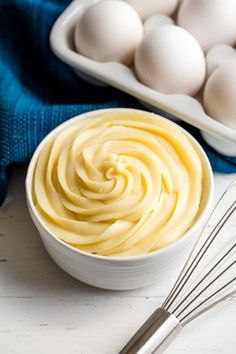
x=38, y=92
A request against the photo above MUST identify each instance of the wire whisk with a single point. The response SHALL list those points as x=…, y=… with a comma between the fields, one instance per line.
x=207, y=279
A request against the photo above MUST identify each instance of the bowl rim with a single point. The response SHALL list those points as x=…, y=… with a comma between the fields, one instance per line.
x=95, y=113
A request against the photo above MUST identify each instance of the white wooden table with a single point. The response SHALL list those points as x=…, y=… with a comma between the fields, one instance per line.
x=45, y=311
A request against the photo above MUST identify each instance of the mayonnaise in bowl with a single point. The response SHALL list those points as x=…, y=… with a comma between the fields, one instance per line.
x=122, y=183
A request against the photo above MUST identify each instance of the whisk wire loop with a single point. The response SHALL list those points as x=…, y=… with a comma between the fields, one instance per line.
x=218, y=291
x=191, y=265
x=204, y=278
x=205, y=288
x=208, y=278
x=184, y=270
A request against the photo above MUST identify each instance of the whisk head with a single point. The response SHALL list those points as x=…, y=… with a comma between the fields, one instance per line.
x=207, y=279
x=209, y=275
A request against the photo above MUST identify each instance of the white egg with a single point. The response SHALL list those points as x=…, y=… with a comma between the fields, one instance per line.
x=211, y=22
x=218, y=55
x=219, y=94
x=157, y=21
x=170, y=60
x=147, y=8
x=109, y=30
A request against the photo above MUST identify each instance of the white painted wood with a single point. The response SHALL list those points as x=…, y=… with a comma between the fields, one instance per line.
x=45, y=311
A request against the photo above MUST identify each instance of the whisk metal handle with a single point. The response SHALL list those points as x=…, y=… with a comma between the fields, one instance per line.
x=155, y=335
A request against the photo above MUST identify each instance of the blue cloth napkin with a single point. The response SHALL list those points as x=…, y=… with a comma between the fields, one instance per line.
x=38, y=92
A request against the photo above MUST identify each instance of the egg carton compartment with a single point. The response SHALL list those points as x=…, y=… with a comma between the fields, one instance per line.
x=178, y=106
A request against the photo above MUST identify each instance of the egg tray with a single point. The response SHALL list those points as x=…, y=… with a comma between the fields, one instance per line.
x=176, y=106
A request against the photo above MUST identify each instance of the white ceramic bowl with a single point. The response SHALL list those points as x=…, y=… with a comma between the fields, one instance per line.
x=118, y=273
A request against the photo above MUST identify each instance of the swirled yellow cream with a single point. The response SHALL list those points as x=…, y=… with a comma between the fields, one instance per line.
x=120, y=184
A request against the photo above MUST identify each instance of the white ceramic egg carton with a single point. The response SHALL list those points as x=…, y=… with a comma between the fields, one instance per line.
x=184, y=107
